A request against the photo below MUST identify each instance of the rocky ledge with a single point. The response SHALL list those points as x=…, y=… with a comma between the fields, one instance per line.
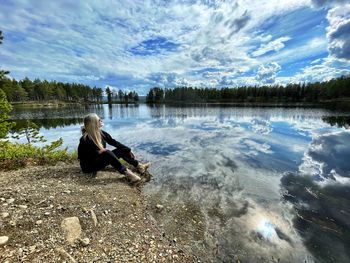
x=58, y=214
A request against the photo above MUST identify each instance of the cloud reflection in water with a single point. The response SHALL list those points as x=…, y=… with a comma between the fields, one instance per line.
x=209, y=168
x=320, y=193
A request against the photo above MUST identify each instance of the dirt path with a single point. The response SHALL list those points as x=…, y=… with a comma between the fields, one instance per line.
x=112, y=222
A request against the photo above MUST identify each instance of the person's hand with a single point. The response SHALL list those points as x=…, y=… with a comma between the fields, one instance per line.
x=132, y=155
x=102, y=150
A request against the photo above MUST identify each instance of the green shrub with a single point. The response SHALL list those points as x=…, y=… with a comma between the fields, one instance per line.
x=17, y=155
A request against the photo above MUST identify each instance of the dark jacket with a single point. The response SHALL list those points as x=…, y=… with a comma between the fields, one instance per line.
x=88, y=151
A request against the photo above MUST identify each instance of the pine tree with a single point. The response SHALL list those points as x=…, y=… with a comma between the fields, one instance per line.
x=120, y=95
x=109, y=95
x=30, y=132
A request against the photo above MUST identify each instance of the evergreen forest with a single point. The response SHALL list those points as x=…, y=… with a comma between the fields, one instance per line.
x=335, y=89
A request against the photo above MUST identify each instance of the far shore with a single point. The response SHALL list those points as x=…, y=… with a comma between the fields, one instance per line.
x=56, y=103
x=339, y=104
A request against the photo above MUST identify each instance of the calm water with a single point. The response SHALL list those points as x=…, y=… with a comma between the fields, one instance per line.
x=270, y=183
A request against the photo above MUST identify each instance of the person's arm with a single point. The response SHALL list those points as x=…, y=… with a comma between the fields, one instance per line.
x=108, y=138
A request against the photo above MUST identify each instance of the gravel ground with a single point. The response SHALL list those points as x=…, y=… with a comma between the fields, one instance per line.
x=112, y=221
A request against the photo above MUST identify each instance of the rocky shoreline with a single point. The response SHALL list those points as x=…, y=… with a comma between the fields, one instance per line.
x=58, y=214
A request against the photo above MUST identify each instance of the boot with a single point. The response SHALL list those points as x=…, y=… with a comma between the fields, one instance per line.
x=131, y=176
x=142, y=168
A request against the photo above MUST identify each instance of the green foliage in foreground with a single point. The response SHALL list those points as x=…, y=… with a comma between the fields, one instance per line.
x=17, y=155
x=5, y=108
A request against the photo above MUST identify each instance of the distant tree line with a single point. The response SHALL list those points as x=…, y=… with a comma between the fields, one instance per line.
x=310, y=92
x=41, y=90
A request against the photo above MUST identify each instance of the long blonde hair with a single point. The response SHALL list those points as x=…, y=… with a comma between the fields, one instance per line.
x=92, y=130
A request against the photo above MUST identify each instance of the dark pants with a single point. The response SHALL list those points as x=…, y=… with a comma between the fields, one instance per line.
x=111, y=157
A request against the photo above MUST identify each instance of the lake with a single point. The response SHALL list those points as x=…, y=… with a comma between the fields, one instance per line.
x=249, y=183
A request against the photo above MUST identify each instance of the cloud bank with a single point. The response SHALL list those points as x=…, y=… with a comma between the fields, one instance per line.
x=338, y=32
x=134, y=45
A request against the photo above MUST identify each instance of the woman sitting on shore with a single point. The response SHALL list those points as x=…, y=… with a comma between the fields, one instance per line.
x=94, y=156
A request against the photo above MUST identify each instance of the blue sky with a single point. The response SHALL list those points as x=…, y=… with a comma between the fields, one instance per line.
x=136, y=45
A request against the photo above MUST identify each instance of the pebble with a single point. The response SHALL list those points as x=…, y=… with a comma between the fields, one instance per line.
x=10, y=200
x=3, y=240
x=159, y=207
x=23, y=206
x=85, y=241
x=94, y=218
x=39, y=222
x=32, y=248
x=5, y=214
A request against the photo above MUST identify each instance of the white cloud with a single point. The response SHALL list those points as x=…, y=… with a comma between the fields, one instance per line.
x=327, y=3
x=338, y=32
x=327, y=69
x=274, y=45
x=313, y=47
x=267, y=73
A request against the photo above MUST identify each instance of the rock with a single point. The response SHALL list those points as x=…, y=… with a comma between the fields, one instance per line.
x=159, y=207
x=94, y=218
x=32, y=248
x=85, y=241
x=71, y=229
x=60, y=164
x=39, y=222
x=10, y=200
x=5, y=215
x=3, y=240
x=23, y=206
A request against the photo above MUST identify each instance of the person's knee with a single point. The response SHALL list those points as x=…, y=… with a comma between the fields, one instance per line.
x=108, y=154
